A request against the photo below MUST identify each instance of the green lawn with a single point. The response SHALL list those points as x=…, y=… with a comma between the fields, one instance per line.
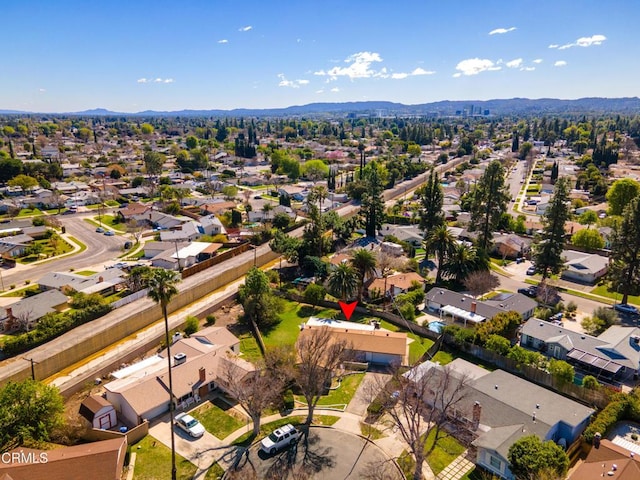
x=29, y=212
x=153, y=461
x=266, y=428
x=21, y=292
x=446, y=451
x=443, y=357
x=216, y=420
x=47, y=250
x=111, y=222
x=86, y=273
x=215, y=472
x=286, y=332
x=249, y=347
x=417, y=348
x=370, y=432
x=341, y=395
x=603, y=291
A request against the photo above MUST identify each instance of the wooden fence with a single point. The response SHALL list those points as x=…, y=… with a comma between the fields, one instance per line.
x=210, y=262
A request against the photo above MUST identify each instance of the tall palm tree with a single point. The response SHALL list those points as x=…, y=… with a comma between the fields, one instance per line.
x=318, y=193
x=441, y=243
x=343, y=281
x=161, y=286
x=364, y=262
x=461, y=262
x=266, y=209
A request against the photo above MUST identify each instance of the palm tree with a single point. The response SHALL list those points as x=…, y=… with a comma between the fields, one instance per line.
x=461, y=262
x=343, y=281
x=266, y=208
x=162, y=288
x=318, y=193
x=441, y=243
x=364, y=262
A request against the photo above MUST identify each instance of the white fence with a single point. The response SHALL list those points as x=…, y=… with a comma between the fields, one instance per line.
x=130, y=298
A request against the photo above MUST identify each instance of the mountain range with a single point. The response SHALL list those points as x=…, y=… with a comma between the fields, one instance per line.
x=382, y=108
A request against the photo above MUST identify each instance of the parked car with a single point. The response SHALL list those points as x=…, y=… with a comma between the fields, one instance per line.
x=190, y=425
x=279, y=438
x=531, y=291
x=626, y=309
x=531, y=270
x=109, y=233
x=100, y=230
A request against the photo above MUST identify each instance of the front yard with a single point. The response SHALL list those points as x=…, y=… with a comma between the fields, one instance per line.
x=341, y=395
x=218, y=418
x=445, y=452
x=153, y=461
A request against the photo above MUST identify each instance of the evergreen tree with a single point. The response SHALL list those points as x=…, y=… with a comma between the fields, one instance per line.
x=488, y=202
x=548, y=252
x=431, y=200
x=554, y=172
x=515, y=143
x=624, y=272
x=372, y=206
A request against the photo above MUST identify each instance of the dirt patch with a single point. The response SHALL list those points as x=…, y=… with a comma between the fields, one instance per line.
x=227, y=315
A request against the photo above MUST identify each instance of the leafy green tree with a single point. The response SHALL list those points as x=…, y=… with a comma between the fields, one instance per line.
x=287, y=246
x=364, y=262
x=372, y=205
x=153, y=162
x=29, y=410
x=280, y=220
x=314, y=294
x=620, y=194
x=162, y=288
x=548, y=251
x=515, y=142
x=488, y=202
x=261, y=308
x=191, y=142
x=230, y=191
x=191, y=325
x=498, y=344
x=343, y=281
x=624, y=270
x=590, y=382
x=587, y=238
x=441, y=243
x=431, y=201
x=561, y=370
x=25, y=182
x=529, y=457
x=9, y=168
x=146, y=129
x=524, y=150
x=588, y=218
x=462, y=261
x=315, y=170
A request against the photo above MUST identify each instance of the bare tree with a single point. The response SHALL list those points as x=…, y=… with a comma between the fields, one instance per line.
x=136, y=229
x=387, y=264
x=255, y=391
x=421, y=401
x=319, y=354
x=23, y=320
x=481, y=282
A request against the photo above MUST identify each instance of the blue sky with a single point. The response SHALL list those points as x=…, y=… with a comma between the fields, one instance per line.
x=136, y=55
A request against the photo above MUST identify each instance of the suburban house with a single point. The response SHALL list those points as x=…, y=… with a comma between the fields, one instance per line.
x=498, y=408
x=392, y=249
x=614, y=354
x=395, y=284
x=176, y=258
x=607, y=459
x=510, y=245
x=216, y=208
x=104, y=283
x=367, y=342
x=186, y=232
x=151, y=249
x=467, y=309
x=584, y=267
x=200, y=364
x=15, y=245
x=293, y=192
x=211, y=225
x=102, y=460
x=132, y=211
x=410, y=234
x=25, y=313
x=98, y=412
x=260, y=215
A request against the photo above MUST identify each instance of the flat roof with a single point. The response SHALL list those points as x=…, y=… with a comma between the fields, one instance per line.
x=460, y=313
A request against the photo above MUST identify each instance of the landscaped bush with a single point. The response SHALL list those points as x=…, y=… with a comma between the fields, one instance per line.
x=288, y=400
x=210, y=320
x=191, y=326
x=614, y=412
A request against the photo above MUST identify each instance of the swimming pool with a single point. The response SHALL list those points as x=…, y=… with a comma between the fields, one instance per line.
x=436, y=326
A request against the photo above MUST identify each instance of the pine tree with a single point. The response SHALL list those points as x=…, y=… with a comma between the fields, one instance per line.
x=554, y=172
x=515, y=143
x=372, y=206
x=488, y=202
x=548, y=251
x=431, y=199
x=625, y=252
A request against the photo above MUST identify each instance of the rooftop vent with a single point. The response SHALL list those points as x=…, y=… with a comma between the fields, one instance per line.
x=179, y=358
x=495, y=386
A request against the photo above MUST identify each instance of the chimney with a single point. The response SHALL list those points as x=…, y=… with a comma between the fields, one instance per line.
x=476, y=411
x=9, y=311
x=202, y=374
x=100, y=279
x=473, y=307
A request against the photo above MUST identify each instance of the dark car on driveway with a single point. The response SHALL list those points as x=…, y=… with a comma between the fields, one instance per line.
x=531, y=291
x=626, y=309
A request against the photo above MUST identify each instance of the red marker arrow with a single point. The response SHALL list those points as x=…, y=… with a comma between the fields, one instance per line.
x=348, y=308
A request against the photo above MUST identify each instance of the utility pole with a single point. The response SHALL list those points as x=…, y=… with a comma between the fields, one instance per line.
x=33, y=369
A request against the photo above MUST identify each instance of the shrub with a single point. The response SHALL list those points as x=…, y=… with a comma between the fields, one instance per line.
x=572, y=307
x=191, y=326
x=612, y=413
x=288, y=400
x=210, y=320
x=498, y=344
x=590, y=382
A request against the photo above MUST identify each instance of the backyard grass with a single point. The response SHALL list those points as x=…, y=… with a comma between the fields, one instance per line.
x=215, y=419
x=266, y=428
x=443, y=357
x=370, y=431
x=153, y=461
x=417, y=348
x=603, y=291
x=249, y=347
x=341, y=395
x=286, y=332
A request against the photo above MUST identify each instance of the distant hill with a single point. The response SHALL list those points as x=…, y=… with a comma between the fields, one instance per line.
x=446, y=107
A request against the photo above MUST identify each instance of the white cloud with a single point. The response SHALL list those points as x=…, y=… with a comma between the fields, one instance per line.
x=554, y=45
x=474, y=66
x=585, y=42
x=359, y=67
x=155, y=80
x=502, y=30
x=457, y=75
x=224, y=40
x=415, y=72
x=335, y=89
x=537, y=60
x=422, y=71
x=560, y=63
x=527, y=69
x=290, y=83
x=245, y=29
x=320, y=91
x=142, y=80
x=168, y=80
x=515, y=63
x=42, y=90
x=399, y=76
